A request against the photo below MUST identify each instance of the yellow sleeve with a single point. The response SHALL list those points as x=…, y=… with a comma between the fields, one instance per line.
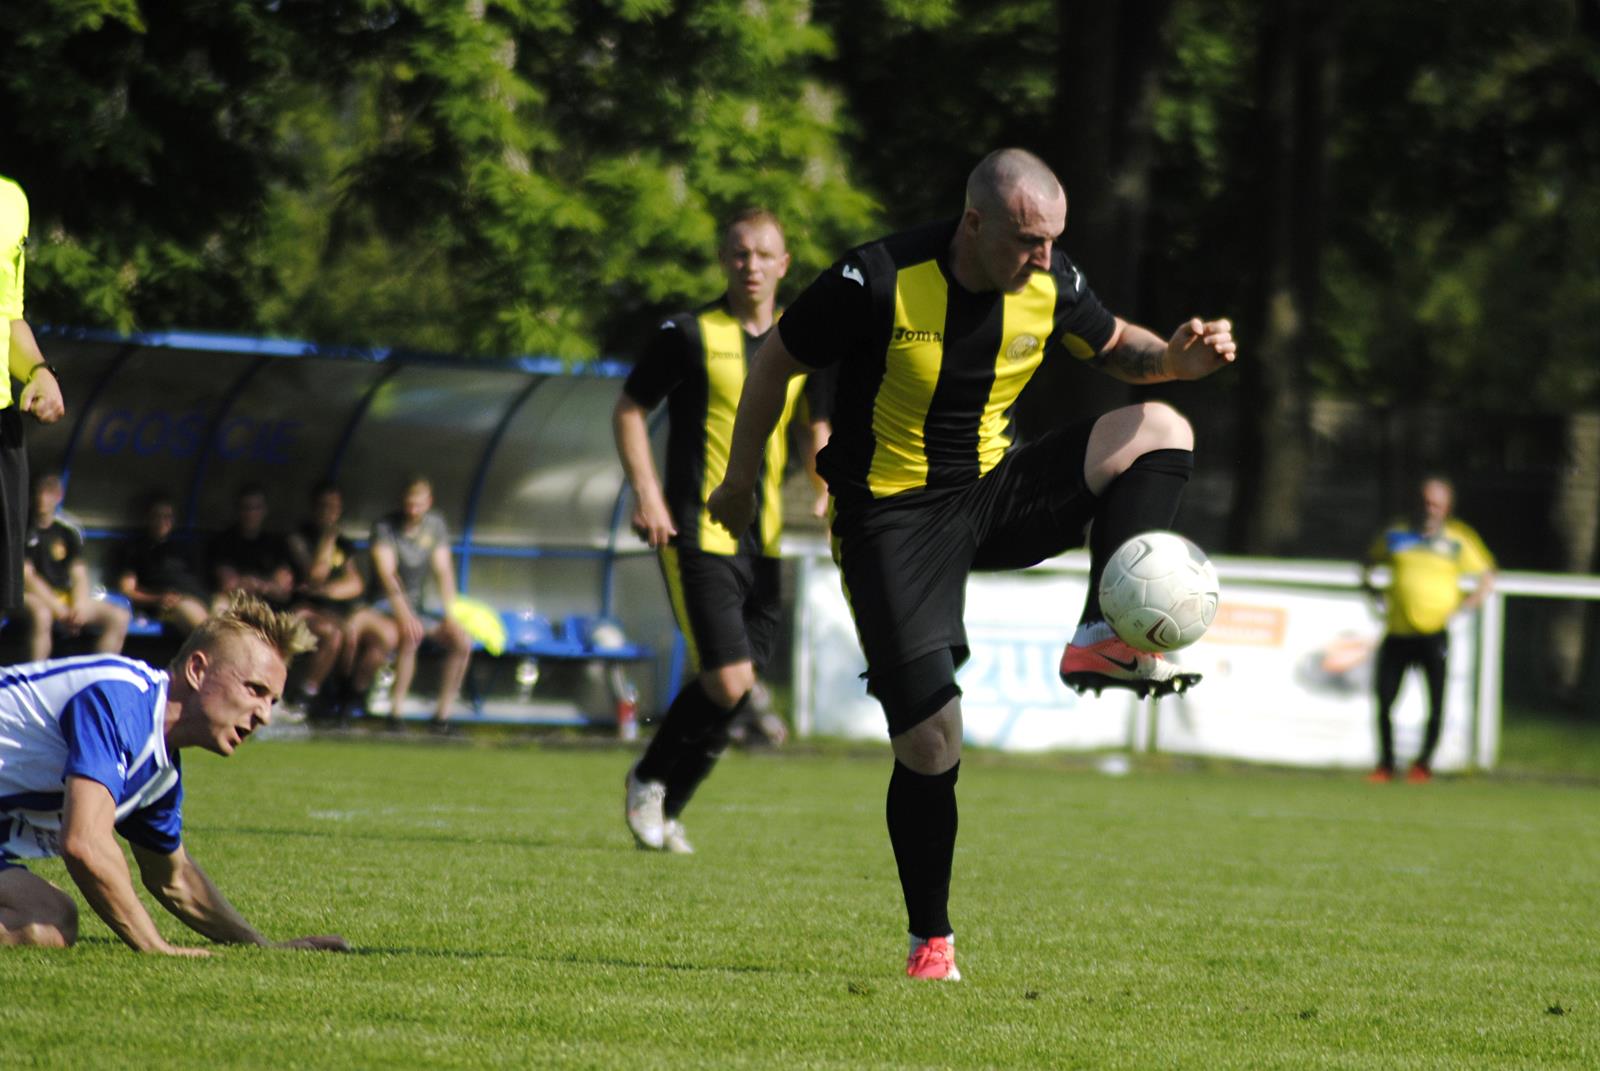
x=13, y=235
x=1475, y=556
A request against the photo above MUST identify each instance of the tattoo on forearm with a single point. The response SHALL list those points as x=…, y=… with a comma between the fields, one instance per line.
x=1134, y=359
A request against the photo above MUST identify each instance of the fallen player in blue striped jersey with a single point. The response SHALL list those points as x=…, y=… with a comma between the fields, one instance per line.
x=89, y=749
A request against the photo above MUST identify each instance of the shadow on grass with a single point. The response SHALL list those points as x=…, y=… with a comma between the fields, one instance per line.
x=424, y=953
x=644, y=965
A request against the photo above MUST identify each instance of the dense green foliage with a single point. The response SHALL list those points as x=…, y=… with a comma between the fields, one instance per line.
x=492, y=176
x=1165, y=919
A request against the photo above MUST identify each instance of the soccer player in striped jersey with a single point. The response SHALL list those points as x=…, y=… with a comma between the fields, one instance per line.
x=723, y=589
x=89, y=750
x=934, y=333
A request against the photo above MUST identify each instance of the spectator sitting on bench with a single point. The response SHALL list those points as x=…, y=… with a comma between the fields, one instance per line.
x=327, y=586
x=156, y=572
x=407, y=547
x=56, y=581
x=246, y=557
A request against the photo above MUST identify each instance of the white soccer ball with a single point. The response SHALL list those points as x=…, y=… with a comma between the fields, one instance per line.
x=1159, y=592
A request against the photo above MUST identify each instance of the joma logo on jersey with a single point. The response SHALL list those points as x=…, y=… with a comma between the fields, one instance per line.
x=911, y=334
x=726, y=355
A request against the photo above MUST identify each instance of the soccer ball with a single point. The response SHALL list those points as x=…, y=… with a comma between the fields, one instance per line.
x=1159, y=592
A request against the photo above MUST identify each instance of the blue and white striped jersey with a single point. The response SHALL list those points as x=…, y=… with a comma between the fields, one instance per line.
x=95, y=716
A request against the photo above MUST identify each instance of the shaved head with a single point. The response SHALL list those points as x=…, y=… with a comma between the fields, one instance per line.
x=1006, y=172
x=1016, y=209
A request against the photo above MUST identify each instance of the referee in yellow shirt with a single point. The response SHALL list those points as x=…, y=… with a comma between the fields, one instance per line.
x=1426, y=556
x=40, y=393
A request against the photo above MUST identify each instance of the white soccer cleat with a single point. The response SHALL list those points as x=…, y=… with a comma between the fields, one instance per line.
x=675, y=840
x=644, y=813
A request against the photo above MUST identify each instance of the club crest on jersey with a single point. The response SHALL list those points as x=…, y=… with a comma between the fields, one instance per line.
x=1022, y=347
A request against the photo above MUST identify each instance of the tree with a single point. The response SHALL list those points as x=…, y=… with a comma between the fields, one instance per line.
x=545, y=177
x=142, y=135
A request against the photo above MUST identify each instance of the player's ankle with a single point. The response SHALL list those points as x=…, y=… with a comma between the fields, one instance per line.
x=1089, y=632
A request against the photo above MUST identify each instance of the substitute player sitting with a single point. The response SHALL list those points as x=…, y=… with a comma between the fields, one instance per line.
x=89, y=748
x=935, y=332
x=56, y=581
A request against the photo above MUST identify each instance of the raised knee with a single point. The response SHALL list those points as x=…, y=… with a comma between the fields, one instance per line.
x=1164, y=428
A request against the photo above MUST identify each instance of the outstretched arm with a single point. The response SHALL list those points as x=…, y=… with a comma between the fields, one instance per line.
x=185, y=890
x=94, y=859
x=1138, y=355
x=732, y=503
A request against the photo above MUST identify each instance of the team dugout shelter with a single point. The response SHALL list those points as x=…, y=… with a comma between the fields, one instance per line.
x=519, y=452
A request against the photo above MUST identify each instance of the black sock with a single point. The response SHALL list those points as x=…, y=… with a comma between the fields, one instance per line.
x=922, y=828
x=696, y=758
x=688, y=716
x=1143, y=498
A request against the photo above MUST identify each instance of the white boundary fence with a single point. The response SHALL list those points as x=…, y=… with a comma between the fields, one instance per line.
x=1287, y=667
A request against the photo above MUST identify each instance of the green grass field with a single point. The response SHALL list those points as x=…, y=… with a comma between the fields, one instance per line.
x=1167, y=919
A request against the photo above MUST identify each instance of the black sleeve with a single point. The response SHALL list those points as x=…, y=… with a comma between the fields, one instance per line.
x=1083, y=326
x=832, y=318
x=819, y=393
x=663, y=364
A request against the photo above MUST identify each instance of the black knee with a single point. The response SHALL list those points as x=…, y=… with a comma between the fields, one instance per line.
x=916, y=691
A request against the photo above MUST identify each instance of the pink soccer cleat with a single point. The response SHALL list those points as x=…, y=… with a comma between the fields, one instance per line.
x=1110, y=663
x=933, y=959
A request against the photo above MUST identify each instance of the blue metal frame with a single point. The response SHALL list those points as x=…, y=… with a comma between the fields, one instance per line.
x=391, y=362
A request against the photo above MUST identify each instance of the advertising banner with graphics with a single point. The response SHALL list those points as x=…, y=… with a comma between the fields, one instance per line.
x=1288, y=675
x=1288, y=679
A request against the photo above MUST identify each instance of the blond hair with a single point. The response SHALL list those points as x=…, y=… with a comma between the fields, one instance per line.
x=246, y=615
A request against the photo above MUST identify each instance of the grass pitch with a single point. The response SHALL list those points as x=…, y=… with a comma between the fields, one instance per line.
x=1167, y=919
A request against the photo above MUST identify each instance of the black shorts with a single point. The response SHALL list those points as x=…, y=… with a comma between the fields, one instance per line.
x=13, y=506
x=905, y=560
x=726, y=605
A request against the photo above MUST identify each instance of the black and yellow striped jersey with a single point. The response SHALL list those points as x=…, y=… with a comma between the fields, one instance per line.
x=928, y=371
x=697, y=362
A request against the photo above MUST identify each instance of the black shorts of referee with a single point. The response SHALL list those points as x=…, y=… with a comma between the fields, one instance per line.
x=726, y=605
x=13, y=507
x=905, y=561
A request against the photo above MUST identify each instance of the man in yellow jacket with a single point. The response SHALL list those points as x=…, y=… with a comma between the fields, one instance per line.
x=40, y=394
x=1426, y=556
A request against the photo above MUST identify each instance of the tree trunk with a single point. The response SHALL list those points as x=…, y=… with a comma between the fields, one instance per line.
x=1295, y=70
x=1107, y=74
